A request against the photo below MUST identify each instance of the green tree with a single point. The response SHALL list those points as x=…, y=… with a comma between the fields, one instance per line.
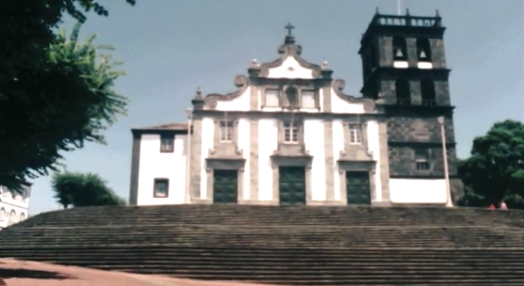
x=55, y=93
x=82, y=190
x=495, y=170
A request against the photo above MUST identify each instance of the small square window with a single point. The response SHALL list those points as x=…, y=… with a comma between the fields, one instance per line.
x=167, y=143
x=423, y=165
x=308, y=99
x=161, y=188
x=355, y=134
x=291, y=132
x=226, y=131
x=272, y=98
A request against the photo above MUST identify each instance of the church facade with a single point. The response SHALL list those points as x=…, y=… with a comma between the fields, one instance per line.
x=14, y=206
x=290, y=135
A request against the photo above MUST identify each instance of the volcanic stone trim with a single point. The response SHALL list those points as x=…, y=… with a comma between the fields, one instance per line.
x=291, y=149
x=135, y=169
x=227, y=149
x=195, y=160
x=438, y=54
x=355, y=152
x=225, y=164
x=286, y=115
x=411, y=45
x=253, y=97
x=283, y=101
x=253, y=159
x=278, y=161
x=326, y=99
x=384, y=160
x=329, y=160
x=361, y=166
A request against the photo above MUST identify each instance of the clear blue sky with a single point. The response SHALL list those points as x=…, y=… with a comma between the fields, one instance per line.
x=172, y=46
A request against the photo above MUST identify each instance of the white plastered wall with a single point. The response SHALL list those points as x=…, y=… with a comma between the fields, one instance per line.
x=267, y=134
x=241, y=103
x=338, y=145
x=374, y=147
x=315, y=145
x=338, y=105
x=290, y=68
x=244, y=145
x=154, y=164
x=418, y=191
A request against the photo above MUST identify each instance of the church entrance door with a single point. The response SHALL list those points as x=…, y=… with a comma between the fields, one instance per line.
x=292, y=185
x=225, y=186
x=358, y=188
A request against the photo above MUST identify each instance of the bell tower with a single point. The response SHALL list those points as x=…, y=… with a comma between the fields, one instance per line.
x=405, y=72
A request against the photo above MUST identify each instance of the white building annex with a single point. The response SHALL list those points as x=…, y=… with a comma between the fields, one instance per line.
x=14, y=207
x=290, y=135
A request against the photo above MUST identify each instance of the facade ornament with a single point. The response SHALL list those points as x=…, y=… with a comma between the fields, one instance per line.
x=255, y=63
x=198, y=94
x=289, y=28
x=325, y=65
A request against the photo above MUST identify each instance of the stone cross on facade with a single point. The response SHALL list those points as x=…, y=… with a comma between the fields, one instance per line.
x=289, y=27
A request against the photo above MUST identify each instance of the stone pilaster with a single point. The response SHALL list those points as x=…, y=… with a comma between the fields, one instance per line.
x=195, y=165
x=384, y=160
x=329, y=160
x=253, y=159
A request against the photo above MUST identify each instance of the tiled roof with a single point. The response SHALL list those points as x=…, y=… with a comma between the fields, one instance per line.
x=169, y=126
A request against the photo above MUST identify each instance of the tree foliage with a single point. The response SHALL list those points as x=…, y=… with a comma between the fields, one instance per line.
x=55, y=93
x=82, y=190
x=495, y=170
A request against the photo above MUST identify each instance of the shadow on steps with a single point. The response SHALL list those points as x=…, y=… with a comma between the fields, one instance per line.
x=34, y=274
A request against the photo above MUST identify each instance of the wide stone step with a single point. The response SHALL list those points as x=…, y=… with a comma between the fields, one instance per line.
x=281, y=245
x=278, y=265
x=296, y=255
x=385, y=221
x=392, y=279
x=284, y=245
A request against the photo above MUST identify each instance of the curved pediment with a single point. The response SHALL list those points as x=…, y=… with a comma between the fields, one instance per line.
x=289, y=65
x=368, y=105
x=211, y=101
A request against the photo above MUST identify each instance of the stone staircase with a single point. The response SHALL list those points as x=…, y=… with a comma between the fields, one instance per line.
x=282, y=245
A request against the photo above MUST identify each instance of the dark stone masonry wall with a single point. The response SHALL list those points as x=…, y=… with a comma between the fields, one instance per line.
x=404, y=129
x=408, y=136
x=402, y=162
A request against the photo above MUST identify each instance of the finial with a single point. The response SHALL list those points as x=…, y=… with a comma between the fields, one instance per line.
x=407, y=12
x=289, y=28
x=325, y=65
x=376, y=11
x=438, y=13
x=198, y=94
